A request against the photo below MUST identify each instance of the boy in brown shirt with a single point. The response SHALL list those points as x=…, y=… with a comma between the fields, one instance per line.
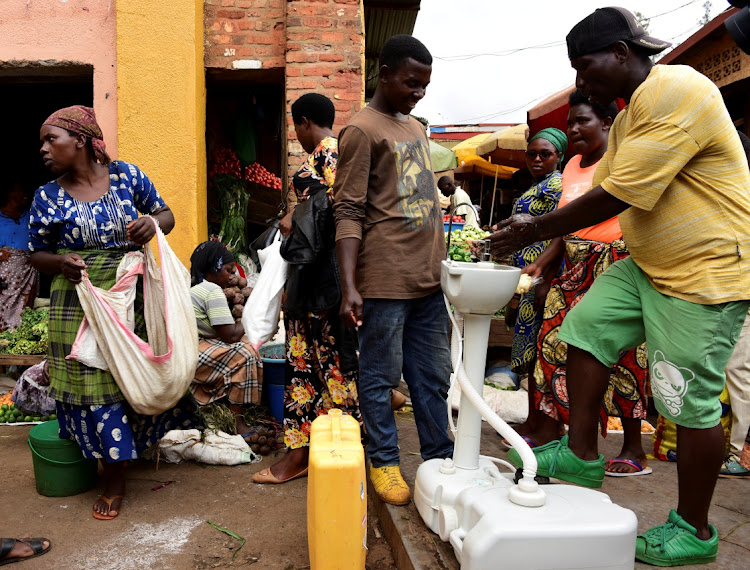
x=390, y=241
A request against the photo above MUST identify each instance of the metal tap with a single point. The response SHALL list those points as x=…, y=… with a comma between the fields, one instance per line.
x=450, y=224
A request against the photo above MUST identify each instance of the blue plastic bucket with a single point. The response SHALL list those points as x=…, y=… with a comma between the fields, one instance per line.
x=453, y=226
x=274, y=377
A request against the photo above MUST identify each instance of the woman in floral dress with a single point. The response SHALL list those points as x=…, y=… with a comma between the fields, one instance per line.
x=321, y=355
x=543, y=157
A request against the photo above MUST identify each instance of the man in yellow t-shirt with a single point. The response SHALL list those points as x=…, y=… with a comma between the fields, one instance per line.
x=675, y=174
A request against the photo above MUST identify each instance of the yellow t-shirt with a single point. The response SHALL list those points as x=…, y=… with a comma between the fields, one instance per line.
x=675, y=156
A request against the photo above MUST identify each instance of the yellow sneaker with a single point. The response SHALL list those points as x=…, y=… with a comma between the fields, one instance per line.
x=389, y=485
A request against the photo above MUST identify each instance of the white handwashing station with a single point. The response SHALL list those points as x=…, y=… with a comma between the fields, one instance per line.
x=490, y=521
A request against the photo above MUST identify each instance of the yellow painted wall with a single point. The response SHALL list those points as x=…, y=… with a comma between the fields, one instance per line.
x=161, y=107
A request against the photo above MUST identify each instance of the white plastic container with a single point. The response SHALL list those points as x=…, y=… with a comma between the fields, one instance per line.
x=576, y=528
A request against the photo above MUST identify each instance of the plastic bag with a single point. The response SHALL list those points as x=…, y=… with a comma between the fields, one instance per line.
x=32, y=390
x=260, y=316
x=153, y=376
x=249, y=267
x=211, y=448
x=511, y=405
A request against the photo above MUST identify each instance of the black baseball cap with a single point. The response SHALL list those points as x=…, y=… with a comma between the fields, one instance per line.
x=607, y=26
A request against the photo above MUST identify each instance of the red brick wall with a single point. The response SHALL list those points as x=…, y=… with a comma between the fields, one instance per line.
x=319, y=43
x=244, y=29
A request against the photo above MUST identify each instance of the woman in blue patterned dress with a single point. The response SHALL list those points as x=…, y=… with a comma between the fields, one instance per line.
x=86, y=220
x=543, y=156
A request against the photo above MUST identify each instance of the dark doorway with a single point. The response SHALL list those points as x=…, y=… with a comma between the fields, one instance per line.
x=245, y=118
x=29, y=93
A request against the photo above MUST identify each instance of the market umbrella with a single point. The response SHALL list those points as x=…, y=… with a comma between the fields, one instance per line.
x=470, y=160
x=468, y=147
x=506, y=147
x=479, y=165
x=442, y=158
x=551, y=112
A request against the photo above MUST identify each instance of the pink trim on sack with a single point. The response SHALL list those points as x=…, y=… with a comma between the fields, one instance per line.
x=121, y=285
x=139, y=269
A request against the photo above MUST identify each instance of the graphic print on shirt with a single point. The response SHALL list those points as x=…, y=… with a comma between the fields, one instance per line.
x=669, y=383
x=416, y=185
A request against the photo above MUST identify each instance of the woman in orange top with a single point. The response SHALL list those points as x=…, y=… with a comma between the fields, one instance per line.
x=587, y=254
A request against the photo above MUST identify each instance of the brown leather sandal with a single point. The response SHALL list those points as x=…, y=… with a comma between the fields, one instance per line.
x=266, y=477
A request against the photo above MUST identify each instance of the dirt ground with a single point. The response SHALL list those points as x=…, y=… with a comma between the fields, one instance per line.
x=166, y=528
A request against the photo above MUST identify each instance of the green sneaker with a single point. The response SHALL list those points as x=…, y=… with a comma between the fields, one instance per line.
x=675, y=544
x=555, y=459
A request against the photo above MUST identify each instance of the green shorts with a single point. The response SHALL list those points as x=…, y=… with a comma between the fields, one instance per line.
x=689, y=344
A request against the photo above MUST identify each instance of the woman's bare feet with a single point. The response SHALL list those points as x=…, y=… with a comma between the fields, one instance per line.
x=397, y=400
x=241, y=427
x=540, y=428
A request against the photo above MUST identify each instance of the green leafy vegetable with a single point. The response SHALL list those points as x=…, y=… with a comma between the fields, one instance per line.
x=460, y=241
x=234, y=200
x=31, y=336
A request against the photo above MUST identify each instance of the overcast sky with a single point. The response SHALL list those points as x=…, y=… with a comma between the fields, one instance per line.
x=501, y=88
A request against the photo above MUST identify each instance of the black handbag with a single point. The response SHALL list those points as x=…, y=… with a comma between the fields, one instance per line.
x=312, y=282
x=263, y=240
x=311, y=223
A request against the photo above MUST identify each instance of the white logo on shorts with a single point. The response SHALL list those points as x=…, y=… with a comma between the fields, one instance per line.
x=669, y=383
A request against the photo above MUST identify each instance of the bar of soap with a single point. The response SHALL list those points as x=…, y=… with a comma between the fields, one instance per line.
x=524, y=284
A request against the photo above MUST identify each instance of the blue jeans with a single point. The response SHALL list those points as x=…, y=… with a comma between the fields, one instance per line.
x=408, y=336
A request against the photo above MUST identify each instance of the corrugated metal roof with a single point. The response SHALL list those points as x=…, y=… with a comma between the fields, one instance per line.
x=383, y=19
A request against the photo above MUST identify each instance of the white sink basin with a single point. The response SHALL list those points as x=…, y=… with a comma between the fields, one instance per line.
x=478, y=288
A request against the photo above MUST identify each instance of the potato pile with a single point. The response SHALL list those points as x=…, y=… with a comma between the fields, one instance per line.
x=264, y=440
x=237, y=293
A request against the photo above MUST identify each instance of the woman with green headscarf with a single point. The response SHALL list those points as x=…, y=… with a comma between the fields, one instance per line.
x=543, y=156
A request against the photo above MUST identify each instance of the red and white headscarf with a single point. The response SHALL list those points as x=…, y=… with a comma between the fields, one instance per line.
x=81, y=120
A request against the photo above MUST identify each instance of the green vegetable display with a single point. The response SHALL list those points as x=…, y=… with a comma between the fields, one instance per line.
x=233, y=202
x=460, y=241
x=31, y=336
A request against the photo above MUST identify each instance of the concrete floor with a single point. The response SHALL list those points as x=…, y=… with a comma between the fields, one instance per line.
x=649, y=496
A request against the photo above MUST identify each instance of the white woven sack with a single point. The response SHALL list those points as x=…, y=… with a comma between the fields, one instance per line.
x=211, y=448
x=153, y=376
x=260, y=317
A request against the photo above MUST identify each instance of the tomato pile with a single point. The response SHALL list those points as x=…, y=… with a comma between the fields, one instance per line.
x=456, y=219
x=224, y=161
x=258, y=174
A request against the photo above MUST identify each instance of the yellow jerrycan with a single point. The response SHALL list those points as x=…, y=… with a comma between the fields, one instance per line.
x=336, y=494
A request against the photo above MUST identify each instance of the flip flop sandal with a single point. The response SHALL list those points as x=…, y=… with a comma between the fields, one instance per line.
x=36, y=544
x=733, y=470
x=640, y=469
x=108, y=517
x=266, y=477
x=532, y=445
